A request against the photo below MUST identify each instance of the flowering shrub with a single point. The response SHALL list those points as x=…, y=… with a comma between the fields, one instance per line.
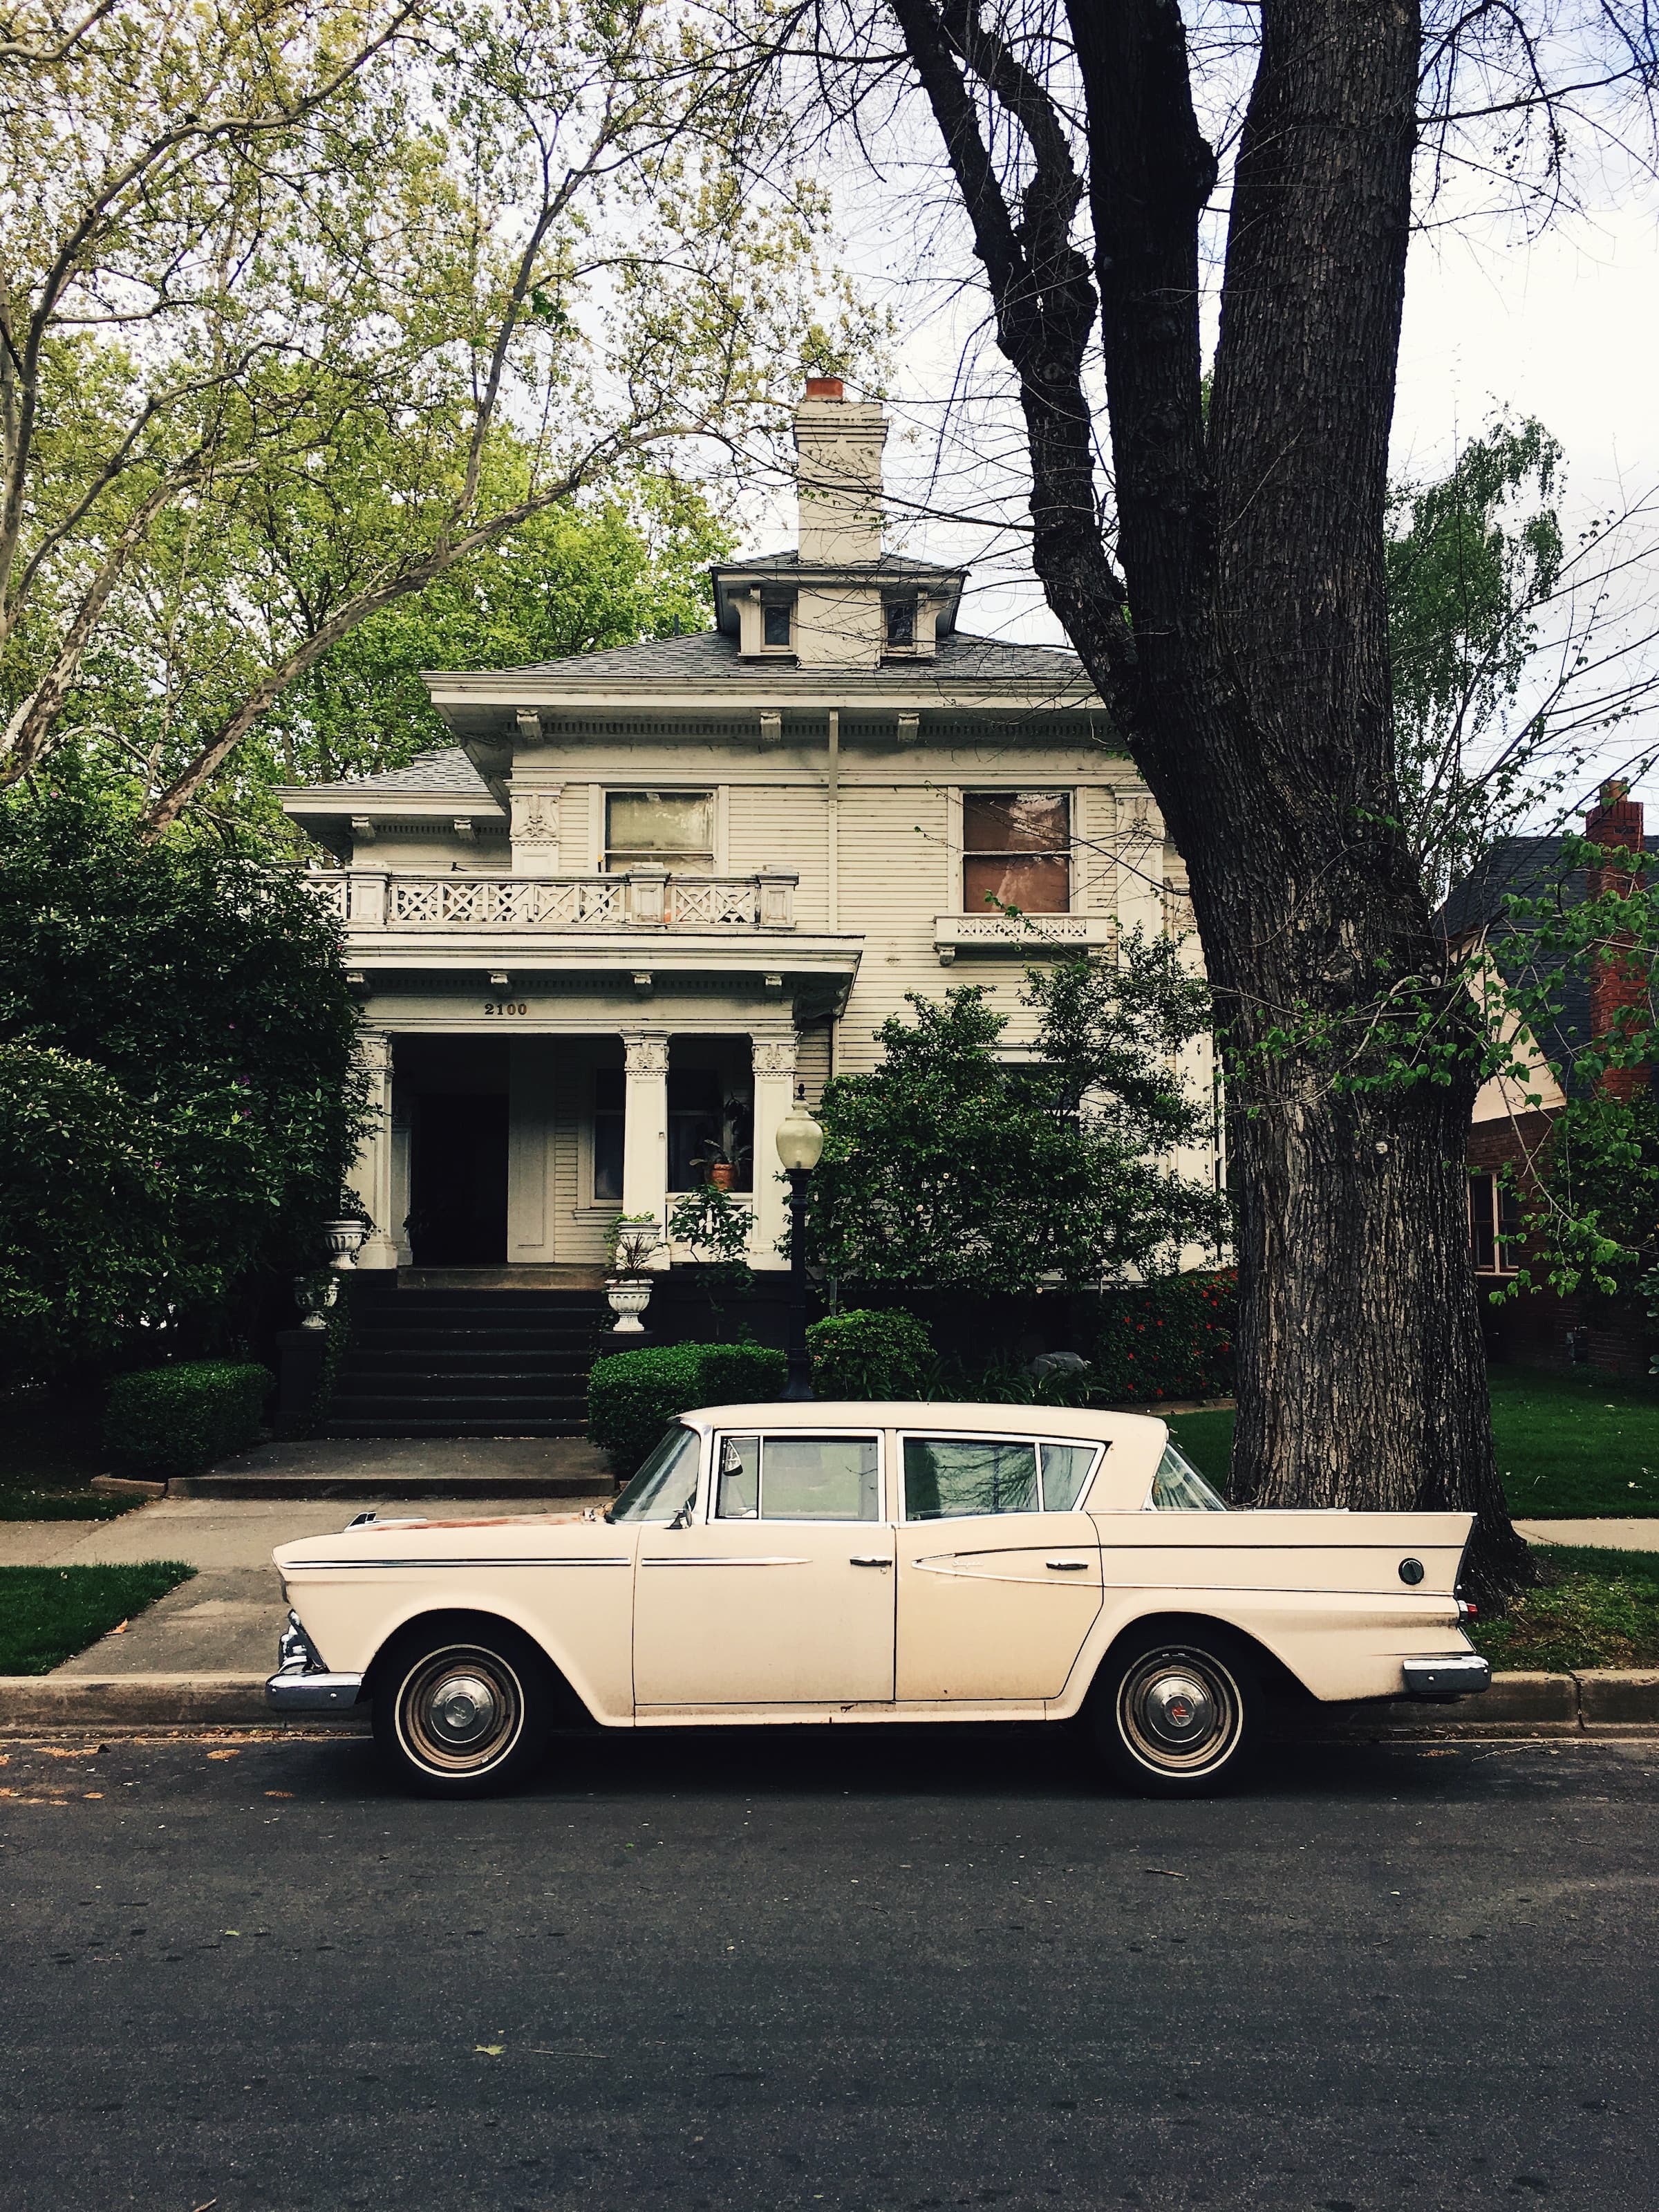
x=1165, y=1340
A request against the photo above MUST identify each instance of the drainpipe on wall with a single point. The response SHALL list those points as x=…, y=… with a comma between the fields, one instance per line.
x=832, y=794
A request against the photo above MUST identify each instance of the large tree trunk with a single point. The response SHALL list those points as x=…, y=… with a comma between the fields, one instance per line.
x=1243, y=649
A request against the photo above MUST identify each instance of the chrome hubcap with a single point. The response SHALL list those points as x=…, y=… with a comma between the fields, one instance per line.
x=1180, y=1712
x=460, y=1712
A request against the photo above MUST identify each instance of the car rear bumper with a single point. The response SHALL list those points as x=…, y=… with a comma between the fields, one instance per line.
x=1458, y=1676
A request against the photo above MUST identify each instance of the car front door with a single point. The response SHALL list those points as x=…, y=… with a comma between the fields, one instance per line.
x=998, y=1575
x=781, y=1592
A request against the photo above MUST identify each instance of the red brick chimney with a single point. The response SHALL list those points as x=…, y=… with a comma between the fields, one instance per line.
x=1619, y=980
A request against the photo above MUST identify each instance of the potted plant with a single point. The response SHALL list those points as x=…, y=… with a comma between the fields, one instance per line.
x=726, y=1153
x=632, y=1243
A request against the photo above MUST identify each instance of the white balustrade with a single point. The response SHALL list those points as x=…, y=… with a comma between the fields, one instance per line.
x=647, y=899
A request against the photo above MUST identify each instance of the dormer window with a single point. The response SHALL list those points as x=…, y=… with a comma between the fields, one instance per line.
x=901, y=625
x=775, y=624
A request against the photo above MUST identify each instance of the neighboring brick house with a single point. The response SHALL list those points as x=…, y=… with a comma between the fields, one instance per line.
x=1509, y=1132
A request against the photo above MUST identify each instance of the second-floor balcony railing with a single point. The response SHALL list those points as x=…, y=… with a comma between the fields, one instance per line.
x=642, y=898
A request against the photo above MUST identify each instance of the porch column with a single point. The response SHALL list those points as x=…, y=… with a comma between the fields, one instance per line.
x=774, y=1058
x=371, y=1175
x=645, y=1127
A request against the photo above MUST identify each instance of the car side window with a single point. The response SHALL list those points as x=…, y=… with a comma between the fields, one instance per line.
x=1065, y=1470
x=946, y=1477
x=1178, y=1488
x=790, y=1477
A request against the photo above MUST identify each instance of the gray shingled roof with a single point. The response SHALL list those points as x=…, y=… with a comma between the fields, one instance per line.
x=710, y=653
x=1528, y=868
x=448, y=769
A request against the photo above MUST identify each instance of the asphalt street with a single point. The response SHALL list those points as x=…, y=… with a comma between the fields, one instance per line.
x=883, y=1970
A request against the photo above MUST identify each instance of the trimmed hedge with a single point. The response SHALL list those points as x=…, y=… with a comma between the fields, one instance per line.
x=1172, y=1338
x=633, y=1395
x=173, y=1421
x=868, y=1353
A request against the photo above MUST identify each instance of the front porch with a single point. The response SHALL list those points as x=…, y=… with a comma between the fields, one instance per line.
x=503, y=1160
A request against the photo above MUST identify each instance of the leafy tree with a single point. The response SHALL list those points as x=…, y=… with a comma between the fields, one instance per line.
x=191, y=993
x=310, y=301
x=950, y=1167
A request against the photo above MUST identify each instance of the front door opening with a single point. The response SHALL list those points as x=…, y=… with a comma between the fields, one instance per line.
x=458, y=1180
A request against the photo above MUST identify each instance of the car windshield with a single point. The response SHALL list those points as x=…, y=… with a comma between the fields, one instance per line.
x=1178, y=1488
x=667, y=1483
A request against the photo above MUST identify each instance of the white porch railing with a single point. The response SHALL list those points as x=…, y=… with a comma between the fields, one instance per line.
x=644, y=898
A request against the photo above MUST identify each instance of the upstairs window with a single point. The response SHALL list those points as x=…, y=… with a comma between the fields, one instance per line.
x=664, y=829
x=1017, y=851
x=774, y=625
x=901, y=624
x=1494, y=1226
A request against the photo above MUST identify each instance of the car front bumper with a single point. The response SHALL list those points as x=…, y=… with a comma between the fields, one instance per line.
x=291, y=1689
x=1458, y=1676
x=303, y=1684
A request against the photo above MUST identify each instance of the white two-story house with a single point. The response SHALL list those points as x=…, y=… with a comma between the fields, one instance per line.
x=647, y=893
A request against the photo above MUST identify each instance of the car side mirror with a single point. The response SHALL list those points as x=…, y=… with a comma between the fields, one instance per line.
x=682, y=1518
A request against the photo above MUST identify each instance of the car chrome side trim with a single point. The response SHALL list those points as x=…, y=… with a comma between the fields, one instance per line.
x=293, y=1691
x=296, y=1566
x=725, y=1563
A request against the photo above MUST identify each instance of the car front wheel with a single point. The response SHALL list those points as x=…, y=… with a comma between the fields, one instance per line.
x=462, y=1716
x=1176, y=1717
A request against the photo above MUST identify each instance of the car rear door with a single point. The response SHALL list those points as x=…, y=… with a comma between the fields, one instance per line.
x=998, y=1575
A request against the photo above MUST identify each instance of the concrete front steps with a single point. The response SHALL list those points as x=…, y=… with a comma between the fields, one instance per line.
x=453, y=1362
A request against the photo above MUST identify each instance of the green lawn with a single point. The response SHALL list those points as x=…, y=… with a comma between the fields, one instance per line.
x=1592, y=1608
x=1567, y=1444
x=49, y=1614
x=50, y=1448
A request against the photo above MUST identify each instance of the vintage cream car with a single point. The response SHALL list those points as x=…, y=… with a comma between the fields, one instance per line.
x=876, y=1562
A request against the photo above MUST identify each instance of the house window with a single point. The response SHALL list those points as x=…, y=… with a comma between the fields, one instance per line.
x=664, y=829
x=608, y=1095
x=901, y=624
x=774, y=625
x=1495, y=1225
x=1017, y=851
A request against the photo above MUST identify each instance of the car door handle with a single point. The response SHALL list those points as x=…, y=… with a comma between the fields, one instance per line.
x=868, y=1559
x=1067, y=1566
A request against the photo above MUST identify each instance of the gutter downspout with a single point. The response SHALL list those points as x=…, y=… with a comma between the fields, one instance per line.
x=832, y=797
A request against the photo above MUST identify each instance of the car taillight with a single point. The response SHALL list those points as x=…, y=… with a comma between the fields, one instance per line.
x=1467, y=1611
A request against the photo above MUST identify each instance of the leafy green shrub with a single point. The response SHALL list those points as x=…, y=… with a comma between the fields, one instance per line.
x=172, y=1420
x=868, y=1354
x=633, y=1395
x=1170, y=1339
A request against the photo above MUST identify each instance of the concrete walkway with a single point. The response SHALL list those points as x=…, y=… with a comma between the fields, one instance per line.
x=1613, y=1535
x=393, y=1468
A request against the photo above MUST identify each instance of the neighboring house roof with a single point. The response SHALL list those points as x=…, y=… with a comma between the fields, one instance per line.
x=1530, y=869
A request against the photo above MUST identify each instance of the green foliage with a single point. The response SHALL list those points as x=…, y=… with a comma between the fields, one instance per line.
x=1170, y=1339
x=950, y=1167
x=172, y=1420
x=715, y=1229
x=88, y=1208
x=633, y=1395
x=49, y=1614
x=181, y=1013
x=1473, y=560
x=870, y=1354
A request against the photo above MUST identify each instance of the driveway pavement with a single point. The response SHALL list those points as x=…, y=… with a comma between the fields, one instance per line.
x=824, y=1972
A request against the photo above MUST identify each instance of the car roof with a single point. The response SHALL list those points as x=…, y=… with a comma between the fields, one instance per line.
x=1085, y=1424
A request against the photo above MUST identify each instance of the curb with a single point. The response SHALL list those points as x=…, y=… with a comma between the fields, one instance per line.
x=1603, y=1703
x=371, y=1489
x=120, y=1701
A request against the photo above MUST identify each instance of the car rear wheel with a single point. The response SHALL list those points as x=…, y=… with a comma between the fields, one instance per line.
x=463, y=1716
x=1175, y=1716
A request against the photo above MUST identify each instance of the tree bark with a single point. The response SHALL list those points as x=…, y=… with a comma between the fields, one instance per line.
x=1243, y=650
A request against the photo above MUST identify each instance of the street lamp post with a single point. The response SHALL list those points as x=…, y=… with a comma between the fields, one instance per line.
x=800, y=1142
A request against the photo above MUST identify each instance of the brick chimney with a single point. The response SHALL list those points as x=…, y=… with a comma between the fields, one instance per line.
x=1618, y=977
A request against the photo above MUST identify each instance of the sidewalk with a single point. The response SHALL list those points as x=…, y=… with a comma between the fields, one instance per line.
x=226, y=1619
x=1612, y=1535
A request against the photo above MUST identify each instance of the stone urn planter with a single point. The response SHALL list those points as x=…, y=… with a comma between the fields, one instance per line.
x=630, y=1295
x=345, y=1239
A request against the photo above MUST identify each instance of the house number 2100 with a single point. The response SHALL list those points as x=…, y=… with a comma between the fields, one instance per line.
x=506, y=1007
